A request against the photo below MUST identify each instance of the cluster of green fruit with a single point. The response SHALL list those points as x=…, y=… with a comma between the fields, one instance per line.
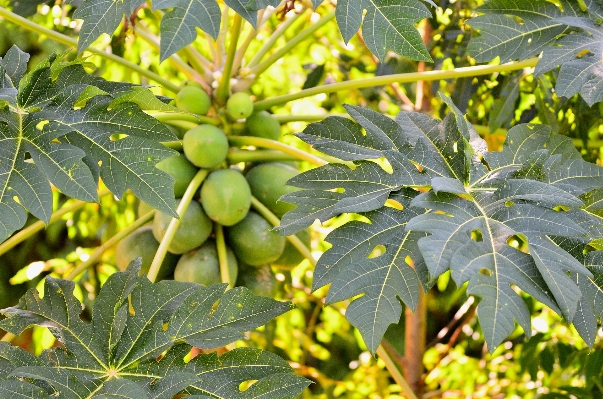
x=252, y=248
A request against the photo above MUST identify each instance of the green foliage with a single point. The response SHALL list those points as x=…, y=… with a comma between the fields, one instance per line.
x=568, y=35
x=537, y=188
x=122, y=348
x=66, y=120
x=388, y=25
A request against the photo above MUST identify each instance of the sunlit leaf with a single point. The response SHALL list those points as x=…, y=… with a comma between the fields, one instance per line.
x=133, y=346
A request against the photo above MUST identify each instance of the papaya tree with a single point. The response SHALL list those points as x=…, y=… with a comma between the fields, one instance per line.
x=191, y=131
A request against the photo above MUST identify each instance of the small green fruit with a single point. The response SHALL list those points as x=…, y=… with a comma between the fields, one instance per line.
x=142, y=243
x=225, y=196
x=239, y=105
x=181, y=170
x=195, y=227
x=205, y=146
x=263, y=124
x=202, y=266
x=254, y=242
x=291, y=257
x=267, y=183
x=194, y=100
x=259, y=280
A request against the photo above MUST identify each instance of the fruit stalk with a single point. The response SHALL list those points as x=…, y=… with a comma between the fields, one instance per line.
x=173, y=226
x=276, y=145
x=222, y=255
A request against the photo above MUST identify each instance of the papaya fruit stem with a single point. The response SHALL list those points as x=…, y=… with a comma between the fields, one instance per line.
x=222, y=255
x=173, y=226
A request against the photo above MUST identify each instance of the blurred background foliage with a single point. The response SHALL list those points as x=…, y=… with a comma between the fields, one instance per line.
x=318, y=340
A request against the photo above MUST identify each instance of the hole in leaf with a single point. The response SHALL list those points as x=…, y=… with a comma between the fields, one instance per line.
x=100, y=163
x=485, y=272
x=377, y=251
x=245, y=385
x=394, y=204
x=41, y=124
x=583, y=53
x=117, y=136
x=519, y=242
x=408, y=260
x=444, y=213
x=561, y=208
x=385, y=165
x=509, y=204
x=517, y=19
x=455, y=147
x=476, y=235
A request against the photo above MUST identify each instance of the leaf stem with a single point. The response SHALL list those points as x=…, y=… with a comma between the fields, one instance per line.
x=223, y=90
x=68, y=41
x=39, y=225
x=300, y=37
x=263, y=16
x=176, y=116
x=8, y=337
x=395, y=373
x=173, y=226
x=98, y=252
x=275, y=221
x=400, y=78
x=144, y=32
x=200, y=64
x=276, y=145
x=222, y=255
x=237, y=155
x=286, y=118
x=280, y=31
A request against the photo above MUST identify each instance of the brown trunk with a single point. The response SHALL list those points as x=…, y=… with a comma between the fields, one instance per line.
x=415, y=333
x=414, y=348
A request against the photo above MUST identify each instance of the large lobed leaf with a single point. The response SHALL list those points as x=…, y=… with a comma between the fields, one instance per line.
x=568, y=34
x=138, y=339
x=388, y=25
x=452, y=205
x=60, y=125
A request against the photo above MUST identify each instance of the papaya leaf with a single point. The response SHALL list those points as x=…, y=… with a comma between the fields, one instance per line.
x=387, y=25
x=518, y=219
x=137, y=341
x=62, y=126
x=566, y=34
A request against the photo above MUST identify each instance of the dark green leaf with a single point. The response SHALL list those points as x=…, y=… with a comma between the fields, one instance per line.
x=567, y=36
x=479, y=205
x=65, y=120
x=388, y=25
x=133, y=346
x=102, y=16
x=21, y=390
x=178, y=25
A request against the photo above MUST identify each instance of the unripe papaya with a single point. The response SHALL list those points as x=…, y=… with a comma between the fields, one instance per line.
x=225, y=196
x=195, y=227
x=253, y=240
x=201, y=265
x=142, y=243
